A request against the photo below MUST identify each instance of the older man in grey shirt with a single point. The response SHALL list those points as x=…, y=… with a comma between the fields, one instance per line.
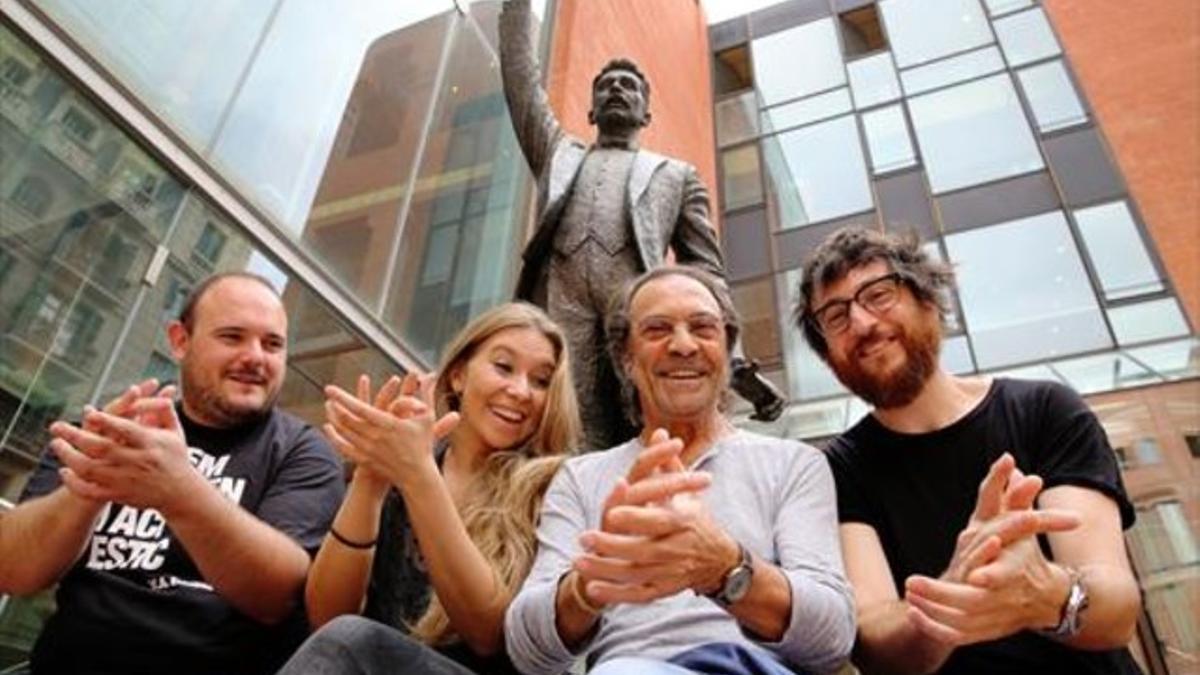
x=694, y=547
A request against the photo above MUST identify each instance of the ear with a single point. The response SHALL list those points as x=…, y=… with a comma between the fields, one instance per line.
x=592, y=117
x=178, y=336
x=646, y=119
x=458, y=380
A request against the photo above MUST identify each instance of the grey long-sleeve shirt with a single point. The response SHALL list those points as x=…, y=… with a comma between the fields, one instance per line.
x=776, y=497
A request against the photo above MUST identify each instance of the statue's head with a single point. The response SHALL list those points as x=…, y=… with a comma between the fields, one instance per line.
x=620, y=97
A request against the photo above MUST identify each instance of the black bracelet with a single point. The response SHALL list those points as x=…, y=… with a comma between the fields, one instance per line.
x=362, y=546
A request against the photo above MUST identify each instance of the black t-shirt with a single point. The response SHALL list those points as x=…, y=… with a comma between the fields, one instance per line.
x=399, y=591
x=918, y=491
x=135, y=601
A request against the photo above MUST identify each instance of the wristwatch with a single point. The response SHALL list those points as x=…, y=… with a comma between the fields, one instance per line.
x=1070, y=622
x=736, y=584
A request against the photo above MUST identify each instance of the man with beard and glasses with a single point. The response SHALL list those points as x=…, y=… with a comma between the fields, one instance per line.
x=180, y=534
x=981, y=517
x=695, y=547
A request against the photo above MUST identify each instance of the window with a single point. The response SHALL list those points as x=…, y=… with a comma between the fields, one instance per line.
x=998, y=7
x=952, y=70
x=815, y=173
x=1117, y=252
x=161, y=368
x=973, y=133
x=956, y=355
x=755, y=302
x=1146, y=321
x=14, y=72
x=1104, y=372
x=923, y=30
x=742, y=184
x=737, y=118
x=776, y=57
x=861, y=32
x=873, y=80
x=1176, y=360
x=79, y=126
x=209, y=245
x=1026, y=37
x=887, y=139
x=1162, y=538
x=33, y=196
x=808, y=376
x=1024, y=292
x=731, y=71
x=807, y=110
x=1052, y=96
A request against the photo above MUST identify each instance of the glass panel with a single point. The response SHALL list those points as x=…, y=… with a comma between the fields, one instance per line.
x=162, y=51
x=1173, y=360
x=1026, y=37
x=732, y=70
x=1027, y=373
x=808, y=376
x=861, y=31
x=998, y=7
x=1117, y=251
x=1024, y=292
x=742, y=179
x=1052, y=96
x=775, y=57
x=973, y=133
x=873, y=80
x=808, y=110
x=737, y=118
x=1147, y=321
x=815, y=420
x=956, y=355
x=815, y=173
x=954, y=69
x=1106, y=372
x=922, y=30
x=462, y=235
x=887, y=139
x=755, y=302
x=266, y=144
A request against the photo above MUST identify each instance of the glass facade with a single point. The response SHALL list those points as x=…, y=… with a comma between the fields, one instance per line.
x=967, y=126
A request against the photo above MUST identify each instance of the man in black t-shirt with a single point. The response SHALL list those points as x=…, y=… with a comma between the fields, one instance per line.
x=180, y=534
x=980, y=518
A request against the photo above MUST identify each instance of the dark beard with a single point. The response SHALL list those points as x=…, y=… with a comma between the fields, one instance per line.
x=899, y=388
x=207, y=401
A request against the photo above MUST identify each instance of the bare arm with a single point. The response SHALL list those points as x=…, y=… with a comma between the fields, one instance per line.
x=40, y=539
x=337, y=583
x=534, y=122
x=1097, y=550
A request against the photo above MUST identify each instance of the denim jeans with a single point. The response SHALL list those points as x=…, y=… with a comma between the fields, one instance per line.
x=352, y=645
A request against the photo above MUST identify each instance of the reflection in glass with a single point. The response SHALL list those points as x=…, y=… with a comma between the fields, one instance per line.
x=1025, y=294
x=998, y=7
x=1026, y=37
x=887, y=139
x=814, y=45
x=815, y=173
x=873, y=80
x=755, y=302
x=808, y=376
x=952, y=70
x=741, y=179
x=973, y=133
x=1052, y=96
x=922, y=30
x=1146, y=321
x=1106, y=372
x=464, y=228
x=807, y=110
x=1117, y=252
x=737, y=118
x=1173, y=360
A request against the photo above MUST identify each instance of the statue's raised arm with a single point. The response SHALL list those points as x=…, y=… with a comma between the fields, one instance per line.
x=536, y=126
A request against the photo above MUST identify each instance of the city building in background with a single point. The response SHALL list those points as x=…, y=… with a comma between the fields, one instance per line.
x=1047, y=150
x=360, y=155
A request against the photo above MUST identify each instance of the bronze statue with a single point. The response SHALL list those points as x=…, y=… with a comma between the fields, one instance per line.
x=606, y=212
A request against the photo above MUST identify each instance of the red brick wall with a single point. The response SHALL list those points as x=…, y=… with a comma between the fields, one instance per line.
x=669, y=41
x=1139, y=63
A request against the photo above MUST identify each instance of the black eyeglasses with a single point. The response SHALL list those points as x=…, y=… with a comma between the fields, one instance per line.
x=876, y=296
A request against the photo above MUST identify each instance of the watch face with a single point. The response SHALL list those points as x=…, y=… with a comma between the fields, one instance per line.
x=738, y=584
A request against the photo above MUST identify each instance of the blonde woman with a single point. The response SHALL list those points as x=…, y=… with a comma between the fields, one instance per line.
x=437, y=529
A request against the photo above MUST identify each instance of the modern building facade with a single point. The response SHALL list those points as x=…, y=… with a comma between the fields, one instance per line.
x=360, y=155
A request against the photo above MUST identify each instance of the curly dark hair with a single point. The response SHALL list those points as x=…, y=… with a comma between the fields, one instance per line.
x=930, y=280
x=618, y=324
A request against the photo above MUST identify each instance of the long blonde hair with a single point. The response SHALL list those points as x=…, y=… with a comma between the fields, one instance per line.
x=501, y=508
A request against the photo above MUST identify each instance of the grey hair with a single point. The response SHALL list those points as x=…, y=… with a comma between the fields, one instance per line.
x=618, y=325
x=930, y=280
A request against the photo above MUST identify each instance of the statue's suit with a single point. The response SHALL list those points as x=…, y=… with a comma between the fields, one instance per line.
x=665, y=205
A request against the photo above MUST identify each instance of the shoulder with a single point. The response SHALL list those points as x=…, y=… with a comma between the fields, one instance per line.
x=1039, y=401
x=614, y=461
